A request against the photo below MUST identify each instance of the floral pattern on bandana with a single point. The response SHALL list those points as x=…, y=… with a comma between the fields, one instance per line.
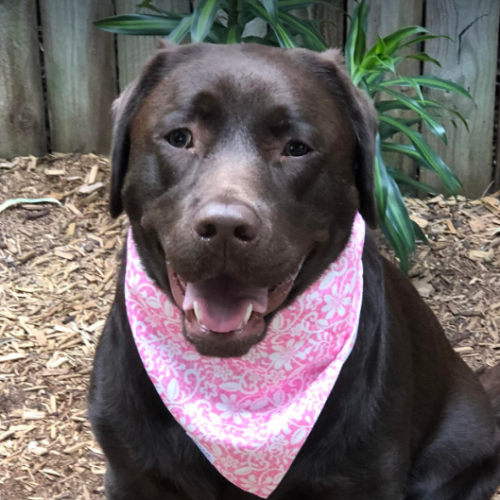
x=250, y=416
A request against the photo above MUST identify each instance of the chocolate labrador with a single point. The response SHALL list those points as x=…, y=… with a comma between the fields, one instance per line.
x=241, y=169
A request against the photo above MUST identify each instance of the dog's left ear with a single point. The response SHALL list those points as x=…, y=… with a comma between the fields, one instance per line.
x=330, y=67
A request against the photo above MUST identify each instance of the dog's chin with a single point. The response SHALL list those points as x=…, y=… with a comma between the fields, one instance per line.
x=224, y=317
x=232, y=344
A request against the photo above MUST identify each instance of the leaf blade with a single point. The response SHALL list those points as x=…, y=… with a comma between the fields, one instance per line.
x=139, y=24
x=429, y=81
x=306, y=29
x=435, y=127
x=431, y=158
x=272, y=8
x=403, y=178
x=181, y=31
x=203, y=19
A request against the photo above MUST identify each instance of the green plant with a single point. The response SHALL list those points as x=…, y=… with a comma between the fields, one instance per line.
x=375, y=70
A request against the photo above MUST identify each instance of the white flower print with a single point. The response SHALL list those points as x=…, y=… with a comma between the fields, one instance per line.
x=278, y=424
x=222, y=371
x=253, y=355
x=254, y=377
x=283, y=355
x=278, y=443
x=271, y=378
x=171, y=349
x=230, y=409
x=257, y=485
x=312, y=299
x=209, y=389
x=335, y=303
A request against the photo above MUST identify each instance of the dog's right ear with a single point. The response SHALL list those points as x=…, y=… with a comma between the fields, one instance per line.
x=124, y=110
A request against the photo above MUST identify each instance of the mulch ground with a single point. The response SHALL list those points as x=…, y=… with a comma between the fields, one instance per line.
x=57, y=272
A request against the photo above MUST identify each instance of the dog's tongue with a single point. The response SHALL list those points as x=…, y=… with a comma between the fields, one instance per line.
x=222, y=302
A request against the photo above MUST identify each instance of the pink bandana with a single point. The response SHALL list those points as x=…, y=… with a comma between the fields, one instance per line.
x=250, y=416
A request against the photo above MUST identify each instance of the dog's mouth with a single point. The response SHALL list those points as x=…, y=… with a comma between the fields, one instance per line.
x=223, y=312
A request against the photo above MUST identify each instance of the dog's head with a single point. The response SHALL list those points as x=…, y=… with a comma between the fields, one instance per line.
x=241, y=169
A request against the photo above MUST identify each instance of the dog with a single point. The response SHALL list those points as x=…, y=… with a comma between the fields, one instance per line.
x=242, y=169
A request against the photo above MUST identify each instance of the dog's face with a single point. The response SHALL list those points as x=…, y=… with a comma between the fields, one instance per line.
x=241, y=169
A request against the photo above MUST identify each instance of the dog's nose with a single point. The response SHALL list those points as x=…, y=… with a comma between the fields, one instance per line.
x=232, y=222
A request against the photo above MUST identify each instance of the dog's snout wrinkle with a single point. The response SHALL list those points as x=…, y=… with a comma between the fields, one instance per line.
x=227, y=222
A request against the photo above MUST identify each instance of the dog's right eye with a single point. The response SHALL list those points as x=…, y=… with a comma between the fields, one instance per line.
x=180, y=138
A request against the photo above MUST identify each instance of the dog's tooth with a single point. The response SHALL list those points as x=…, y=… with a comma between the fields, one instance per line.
x=248, y=314
x=197, y=311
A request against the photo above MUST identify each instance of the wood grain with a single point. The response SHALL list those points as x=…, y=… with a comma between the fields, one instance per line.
x=470, y=60
x=80, y=68
x=333, y=27
x=134, y=51
x=22, y=122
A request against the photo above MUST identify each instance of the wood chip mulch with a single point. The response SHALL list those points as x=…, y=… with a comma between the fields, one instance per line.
x=57, y=277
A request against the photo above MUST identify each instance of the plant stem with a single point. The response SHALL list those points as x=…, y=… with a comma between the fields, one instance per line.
x=233, y=15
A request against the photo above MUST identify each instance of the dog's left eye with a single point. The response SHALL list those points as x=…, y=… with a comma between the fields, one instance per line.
x=296, y=148
x=180, y=138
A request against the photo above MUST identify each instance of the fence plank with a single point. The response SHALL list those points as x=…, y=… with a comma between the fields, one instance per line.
x=387, y=16
x=471, y=61
x=22, y=122
x=80, y=68
x=333, y=27
x=134, y=51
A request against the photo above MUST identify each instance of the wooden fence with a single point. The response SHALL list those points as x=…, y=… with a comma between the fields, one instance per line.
x=59, y=74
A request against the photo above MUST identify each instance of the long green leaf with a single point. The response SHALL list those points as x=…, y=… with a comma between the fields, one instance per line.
x=433, y=160
x=422, y=56
x=258, y=10
x=422, y=38
x=146, y=5
x=286, y=5
x=396, y=243
x=402, y=178
x=272, y=8
x=305, y=28
x=182, y=30
x=390, y=44
x=413, y=105
x=355, y=46
x=284, y=38
x=387, y=62
x=384, y=106
x=380, y=180
x=405, y=149
x=430, y=81
x=397, y=215
x=233, y=34
x=387, y=131
x=419, y=234
x=460, y=117
x=394, y=219
x=139, y=24
x=393, y=40
x=203, y=19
